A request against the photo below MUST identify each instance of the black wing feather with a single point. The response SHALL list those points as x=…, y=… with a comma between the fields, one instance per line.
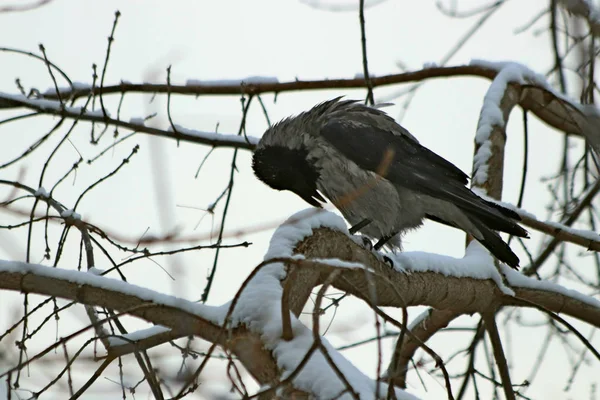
x=415, y=167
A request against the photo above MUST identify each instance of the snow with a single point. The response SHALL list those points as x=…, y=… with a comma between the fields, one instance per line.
x=68, y=89
x=136, y=336
x=251, y=80
x=522, y=75
x=70, y=214
x=41, y=193
x=586, y=234
x=480, y=160
x=259, y=307
x=215, y=136
x=361, y=75
x=259, y=304
x=420, y=318
x=517, y=279
x=96, y=271
x=590, y=235
x=477, y=263
x=137, y=121
x=336, y=262
x=213, y=314
x=317, y=376
x=52, y=105
x=339, y=6
x=430, y=64
x=97, y=113
x=491, y=116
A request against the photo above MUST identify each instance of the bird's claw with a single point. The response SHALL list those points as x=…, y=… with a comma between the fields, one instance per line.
x=367, y=244
x=389, y=261
x=362, y=241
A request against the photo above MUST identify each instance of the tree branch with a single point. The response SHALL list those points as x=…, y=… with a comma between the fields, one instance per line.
x=182, y=134
x=492, y=329
x=465, y=295
x=558, y=112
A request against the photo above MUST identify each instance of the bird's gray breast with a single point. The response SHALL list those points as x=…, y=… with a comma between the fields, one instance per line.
x=357, y=193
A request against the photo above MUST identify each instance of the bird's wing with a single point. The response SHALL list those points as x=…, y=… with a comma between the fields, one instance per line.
x=412, y=166
x=406, y=163
x=367, y=115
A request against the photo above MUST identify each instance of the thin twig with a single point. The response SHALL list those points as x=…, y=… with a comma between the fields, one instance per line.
x=111, y=38
x=363, y=43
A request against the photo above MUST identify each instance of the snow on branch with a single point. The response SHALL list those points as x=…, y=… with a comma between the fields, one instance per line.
x=55, y=107
x=83, y=279
x=251, y=80
x=490, y=137
x=254, y=320
x=259, y=307
x=536, y=96
x=449, y=280
x=563, y=232
x=516, y=84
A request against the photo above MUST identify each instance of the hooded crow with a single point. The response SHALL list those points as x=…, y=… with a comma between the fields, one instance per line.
x=378, y=175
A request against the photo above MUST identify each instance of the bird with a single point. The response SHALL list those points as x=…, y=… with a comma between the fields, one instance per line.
x=378, y=175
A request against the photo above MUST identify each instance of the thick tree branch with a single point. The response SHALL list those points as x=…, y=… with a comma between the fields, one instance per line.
x=417, y=288
x=244, y=344
x=464, y=294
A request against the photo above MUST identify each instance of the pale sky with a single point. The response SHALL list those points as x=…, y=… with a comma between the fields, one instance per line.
x=206, y=40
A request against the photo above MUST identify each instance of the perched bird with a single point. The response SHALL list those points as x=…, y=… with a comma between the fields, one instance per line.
x=378, y=175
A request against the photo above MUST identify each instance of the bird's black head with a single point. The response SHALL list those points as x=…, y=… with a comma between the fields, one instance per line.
x=283, y=168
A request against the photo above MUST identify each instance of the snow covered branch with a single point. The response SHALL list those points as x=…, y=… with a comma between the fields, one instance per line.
x=534, y=93
x=562, y=232
x=490, y=138
x=316, y=244
x=181, y=316
x=55, y=107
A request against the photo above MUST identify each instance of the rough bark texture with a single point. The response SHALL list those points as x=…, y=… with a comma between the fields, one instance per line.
x=392, y=288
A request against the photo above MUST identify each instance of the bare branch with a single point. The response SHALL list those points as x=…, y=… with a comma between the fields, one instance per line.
x=492, y=328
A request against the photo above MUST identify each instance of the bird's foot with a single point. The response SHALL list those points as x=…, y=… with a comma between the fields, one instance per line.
x=389, y=261
x=366, y=243
x=363, y=241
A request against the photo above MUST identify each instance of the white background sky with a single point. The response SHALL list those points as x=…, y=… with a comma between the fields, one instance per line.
x=286, y=39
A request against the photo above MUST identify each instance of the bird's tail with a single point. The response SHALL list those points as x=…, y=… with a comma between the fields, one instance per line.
x=494, y=243
x=496, y=217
